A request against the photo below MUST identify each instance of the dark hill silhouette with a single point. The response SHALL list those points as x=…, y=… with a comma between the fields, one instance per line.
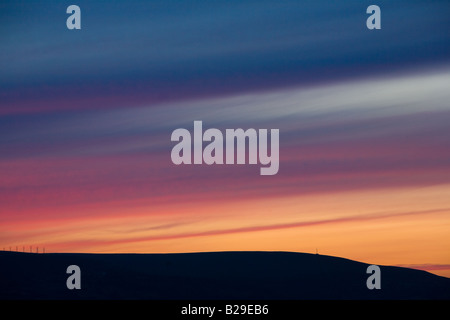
x=215, y=275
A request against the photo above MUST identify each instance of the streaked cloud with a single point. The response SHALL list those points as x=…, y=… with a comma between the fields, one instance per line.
x=86, y=119
x=426, y=266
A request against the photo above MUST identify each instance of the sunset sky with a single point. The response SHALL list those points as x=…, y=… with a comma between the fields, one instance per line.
x=86, y=118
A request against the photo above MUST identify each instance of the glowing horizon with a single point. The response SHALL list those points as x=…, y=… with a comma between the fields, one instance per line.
x=334, y=209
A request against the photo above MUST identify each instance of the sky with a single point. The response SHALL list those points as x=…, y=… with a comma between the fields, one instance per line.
x=86, y=118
